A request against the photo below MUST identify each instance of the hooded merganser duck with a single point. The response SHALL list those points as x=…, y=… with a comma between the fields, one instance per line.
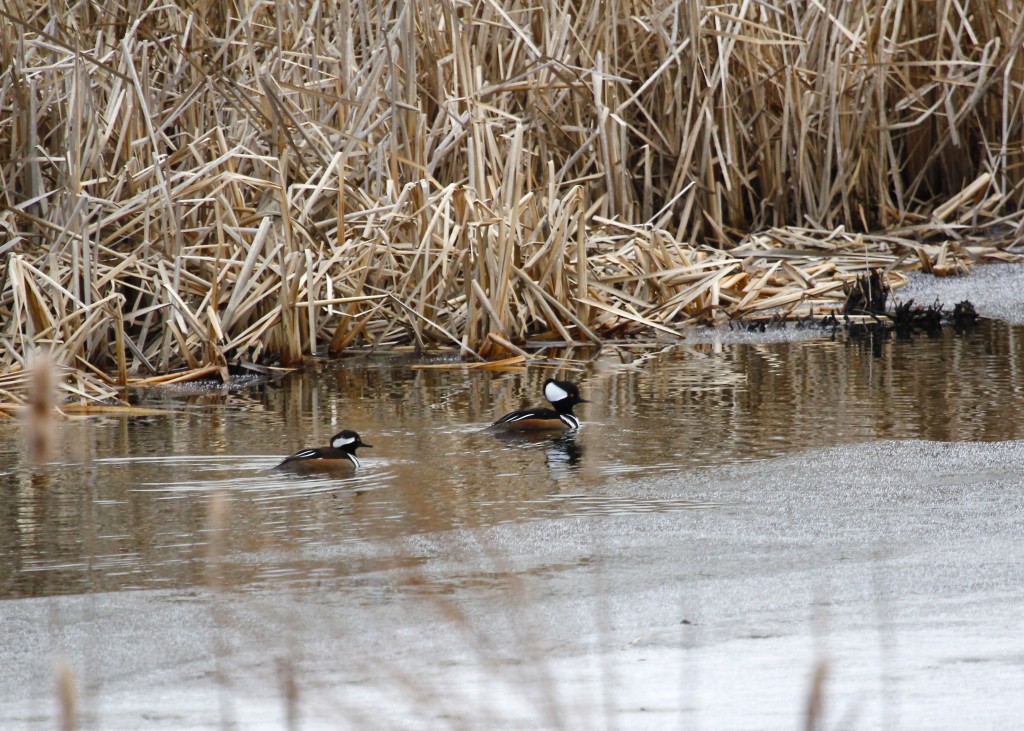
x=340, y=455
x=563, y=395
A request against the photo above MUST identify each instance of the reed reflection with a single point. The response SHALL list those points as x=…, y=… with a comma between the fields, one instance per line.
x=124, y=504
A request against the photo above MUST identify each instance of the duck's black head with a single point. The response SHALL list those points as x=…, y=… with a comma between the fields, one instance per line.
x=563, y=395
x=348, y=441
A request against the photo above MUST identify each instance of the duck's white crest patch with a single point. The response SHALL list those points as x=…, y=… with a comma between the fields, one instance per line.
x=553, y=393
x=342, y=441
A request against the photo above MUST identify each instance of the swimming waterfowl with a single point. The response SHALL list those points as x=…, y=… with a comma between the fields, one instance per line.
x=563, y=395
x=340, y=455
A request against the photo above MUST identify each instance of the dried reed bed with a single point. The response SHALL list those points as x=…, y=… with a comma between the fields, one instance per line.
x=192, y=185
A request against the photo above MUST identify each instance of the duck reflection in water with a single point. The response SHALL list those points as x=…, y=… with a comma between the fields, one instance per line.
x=563, y=456
x=562, y=453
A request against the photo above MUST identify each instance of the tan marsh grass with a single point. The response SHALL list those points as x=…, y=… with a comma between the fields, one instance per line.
x=185, y=185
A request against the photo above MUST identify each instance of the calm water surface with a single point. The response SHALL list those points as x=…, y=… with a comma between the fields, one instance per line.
x=127, y=504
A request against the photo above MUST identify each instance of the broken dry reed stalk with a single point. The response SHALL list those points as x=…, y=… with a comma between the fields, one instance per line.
x=66, y=696
x=814, y=715
x=289, y=688
x=40, y=429
x=188, y=186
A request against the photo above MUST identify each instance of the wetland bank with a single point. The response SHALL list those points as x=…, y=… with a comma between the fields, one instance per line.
x=204, y=190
